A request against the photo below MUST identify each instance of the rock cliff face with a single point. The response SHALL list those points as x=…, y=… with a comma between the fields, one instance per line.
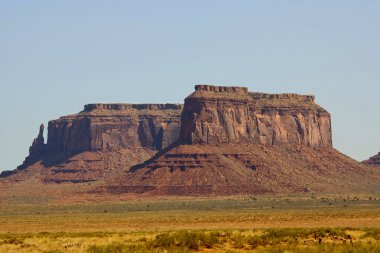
x=224, y=140
x=214, y=115
x=101, y=139
x=233, y=141
x=373, y=161
x=38, y=145
x=115, y=126
x=36, y=150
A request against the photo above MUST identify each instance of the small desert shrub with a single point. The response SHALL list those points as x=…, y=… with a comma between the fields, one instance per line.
x=14, y=241
x=195, y=240
x=372, y=233
x=255, y=241
x=330, y=248
x=187, y=240
x=110, y=248
x=238, y=241
x=291, y=236
x=324, y=232
x=191, y=240
x=53, y=251
x=348, y=248
x=164, y=241
x=119, y=248
x=285, y=235
x=137, y=248
x=208, y=240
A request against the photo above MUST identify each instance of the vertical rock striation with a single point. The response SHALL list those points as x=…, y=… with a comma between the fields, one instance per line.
x=215, y=115
x=229, y=141
x=233, y=141
x=108, y=127
x=115, y=126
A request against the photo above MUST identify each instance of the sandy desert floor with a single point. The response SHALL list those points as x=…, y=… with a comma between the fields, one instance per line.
x=294, y=223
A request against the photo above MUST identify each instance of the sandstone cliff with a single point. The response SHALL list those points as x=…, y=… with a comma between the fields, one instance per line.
x=101, y=139
x=215, y=114
x=224, y=140
x=233, y=141
x=114, y=126
x=373, y=161
x=35, y=151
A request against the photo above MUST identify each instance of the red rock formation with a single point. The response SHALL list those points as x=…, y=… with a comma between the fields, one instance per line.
x=373, y=161
x=36, y=150
x=102, y=138
x=215, y=115
x=115, y=126
x=246, y=168
x=231, y=141
x=38, y=145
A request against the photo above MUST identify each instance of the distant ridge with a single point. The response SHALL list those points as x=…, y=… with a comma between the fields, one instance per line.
x=373, y=161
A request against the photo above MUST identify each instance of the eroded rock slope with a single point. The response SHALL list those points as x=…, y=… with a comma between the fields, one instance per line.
x=224, y=140
x=233, y=141
x=100, y=140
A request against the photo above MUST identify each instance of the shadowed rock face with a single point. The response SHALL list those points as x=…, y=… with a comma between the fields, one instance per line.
x=35, y=151
x=215, y=115
x=115, y=126
x=38, y=145
x=373, y=161
x=137, y=129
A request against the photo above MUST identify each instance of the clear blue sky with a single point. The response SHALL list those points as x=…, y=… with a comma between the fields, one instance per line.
x=56, y=56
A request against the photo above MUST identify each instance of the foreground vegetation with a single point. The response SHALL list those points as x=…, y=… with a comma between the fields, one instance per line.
x=254, y=240
x=193, y=213
x=330, y=223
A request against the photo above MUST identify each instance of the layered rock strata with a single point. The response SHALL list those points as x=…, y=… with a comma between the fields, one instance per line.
x=114, y=126
x=233, y=141
x=224, y=140
x=246, y=168
x=214, y=114
x=102, y=138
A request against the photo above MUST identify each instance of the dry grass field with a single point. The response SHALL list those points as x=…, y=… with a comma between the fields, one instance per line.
x=298, y=223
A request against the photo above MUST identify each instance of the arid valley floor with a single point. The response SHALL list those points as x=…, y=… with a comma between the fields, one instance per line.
x=228, y=171
x=294, y=223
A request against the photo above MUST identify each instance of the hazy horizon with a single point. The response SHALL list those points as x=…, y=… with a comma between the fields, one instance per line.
x=55, y=57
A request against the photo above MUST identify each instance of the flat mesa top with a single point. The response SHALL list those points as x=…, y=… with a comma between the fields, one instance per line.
x=125, y=106
x=206, y=87
x=124, y=109
x=243, y=91
x=235, y=94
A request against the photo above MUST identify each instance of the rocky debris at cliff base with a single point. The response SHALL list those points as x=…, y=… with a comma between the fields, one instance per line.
x=245, y=169
x=373, y=161
x=84, y=167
